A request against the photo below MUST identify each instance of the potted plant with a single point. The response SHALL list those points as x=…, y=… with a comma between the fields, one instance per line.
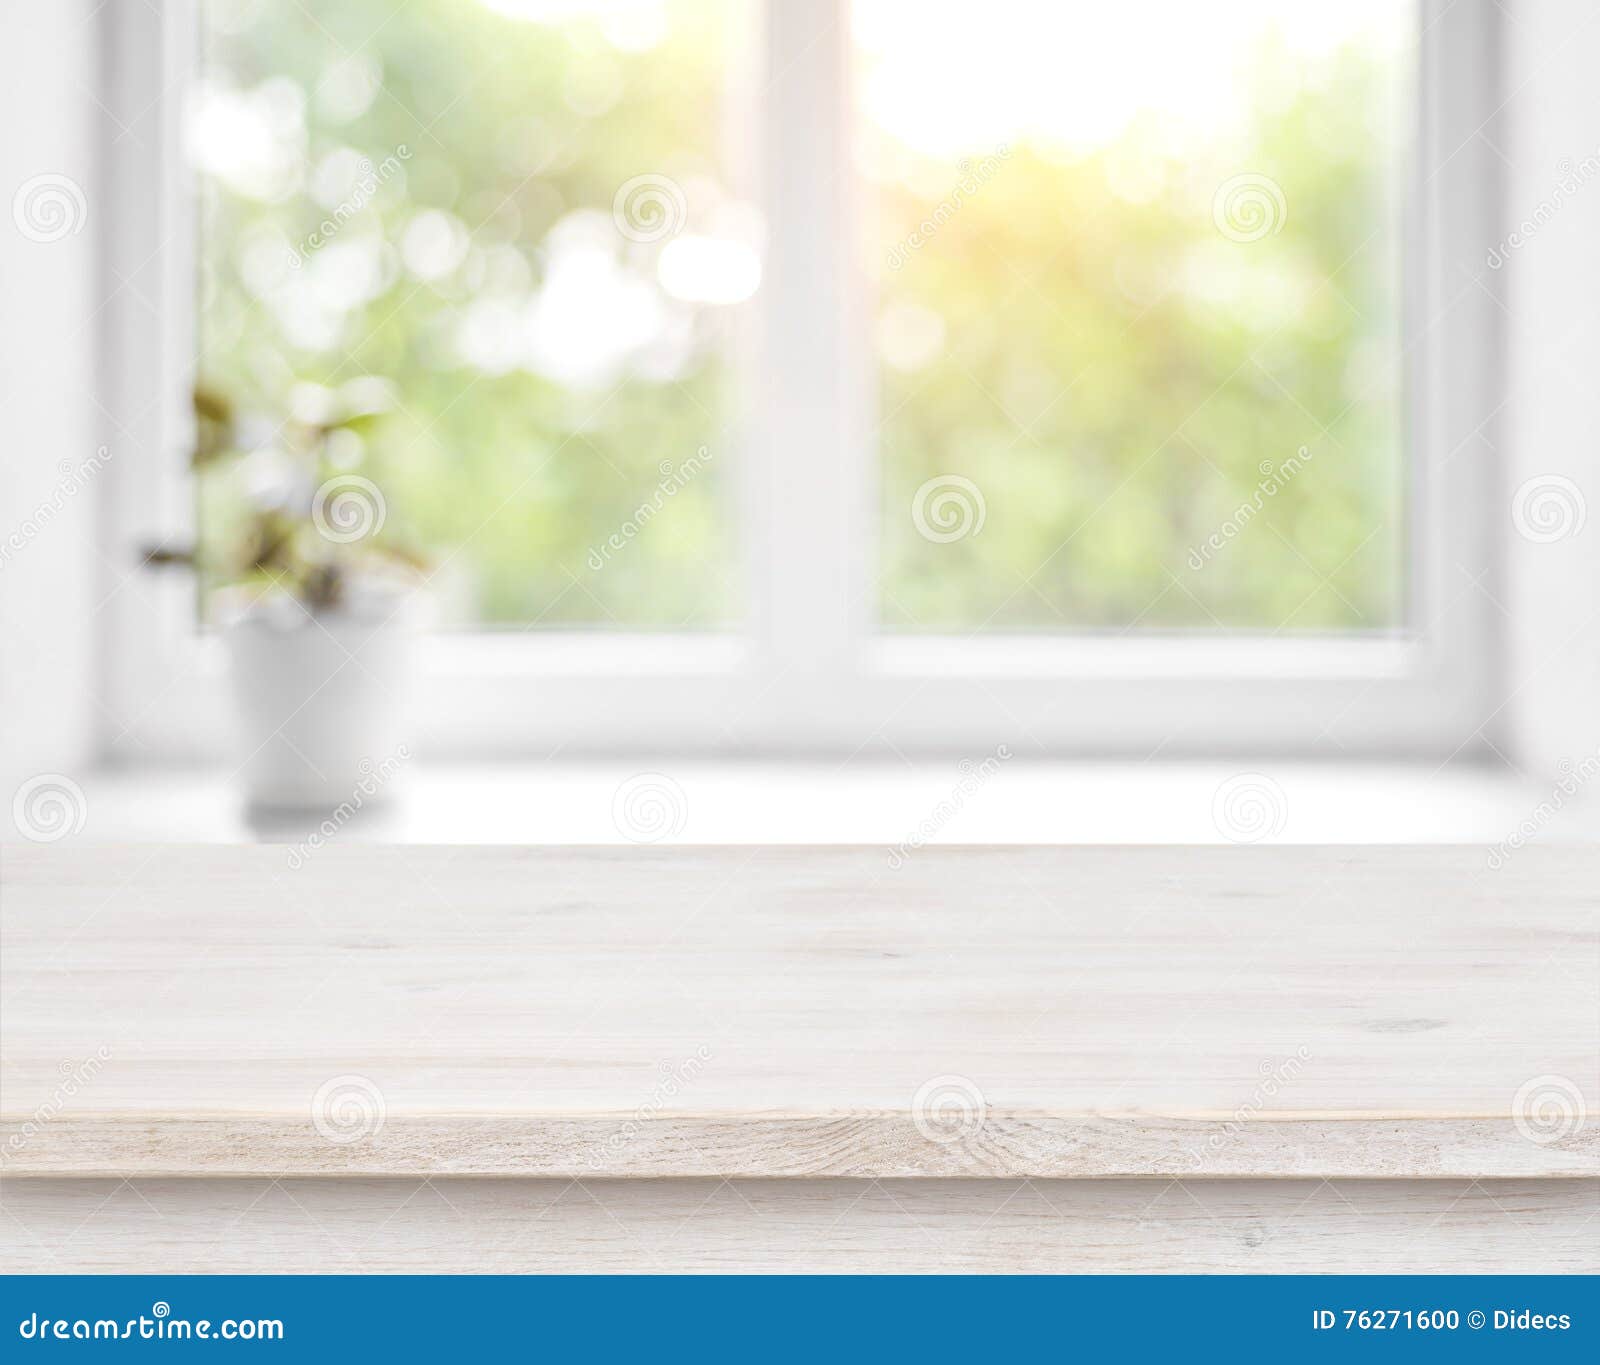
x=318, y=606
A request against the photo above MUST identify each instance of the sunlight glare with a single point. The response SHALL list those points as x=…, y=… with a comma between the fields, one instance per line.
x=708, y=270
x=1077, y=75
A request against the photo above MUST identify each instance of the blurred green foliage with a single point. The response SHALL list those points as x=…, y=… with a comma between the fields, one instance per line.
x=1110, y=370
x=1116, y=378
x=507, y=477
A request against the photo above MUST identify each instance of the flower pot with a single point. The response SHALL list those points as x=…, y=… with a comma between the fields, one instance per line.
x=322, y=702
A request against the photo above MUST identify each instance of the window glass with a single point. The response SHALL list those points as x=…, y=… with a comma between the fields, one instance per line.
x=1138, y=326
x=521, y=217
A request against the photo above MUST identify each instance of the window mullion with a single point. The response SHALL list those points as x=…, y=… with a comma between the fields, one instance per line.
x=809, y=469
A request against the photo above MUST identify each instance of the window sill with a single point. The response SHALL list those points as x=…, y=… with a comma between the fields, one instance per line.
x=864, y=802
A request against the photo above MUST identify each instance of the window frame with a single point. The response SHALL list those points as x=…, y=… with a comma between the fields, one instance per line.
x=810, y=673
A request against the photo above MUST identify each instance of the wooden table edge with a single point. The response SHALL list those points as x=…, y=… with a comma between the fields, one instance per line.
x=870, y=1144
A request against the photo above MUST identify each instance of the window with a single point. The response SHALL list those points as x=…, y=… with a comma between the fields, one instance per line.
x=852, y=375
x=1139, y=348
x=521, y=214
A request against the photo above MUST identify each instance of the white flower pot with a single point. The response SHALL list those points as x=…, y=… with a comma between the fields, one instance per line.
x=322, y=704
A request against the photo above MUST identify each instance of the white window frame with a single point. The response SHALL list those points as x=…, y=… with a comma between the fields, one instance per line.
x=810, y=674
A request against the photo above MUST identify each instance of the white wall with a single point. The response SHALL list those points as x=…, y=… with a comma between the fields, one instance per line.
x=48, y=423
x=53, y=685
x=1551, y=423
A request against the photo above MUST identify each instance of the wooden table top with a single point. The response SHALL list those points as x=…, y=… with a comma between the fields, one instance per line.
x=787, y=1011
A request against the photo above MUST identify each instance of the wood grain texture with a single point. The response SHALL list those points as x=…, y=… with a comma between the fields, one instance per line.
x=751, y=1145
x=752, y=1012
x=807, y=1226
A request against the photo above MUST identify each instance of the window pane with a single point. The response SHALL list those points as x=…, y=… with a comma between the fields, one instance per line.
x=523, y=215
x=1138, y=329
